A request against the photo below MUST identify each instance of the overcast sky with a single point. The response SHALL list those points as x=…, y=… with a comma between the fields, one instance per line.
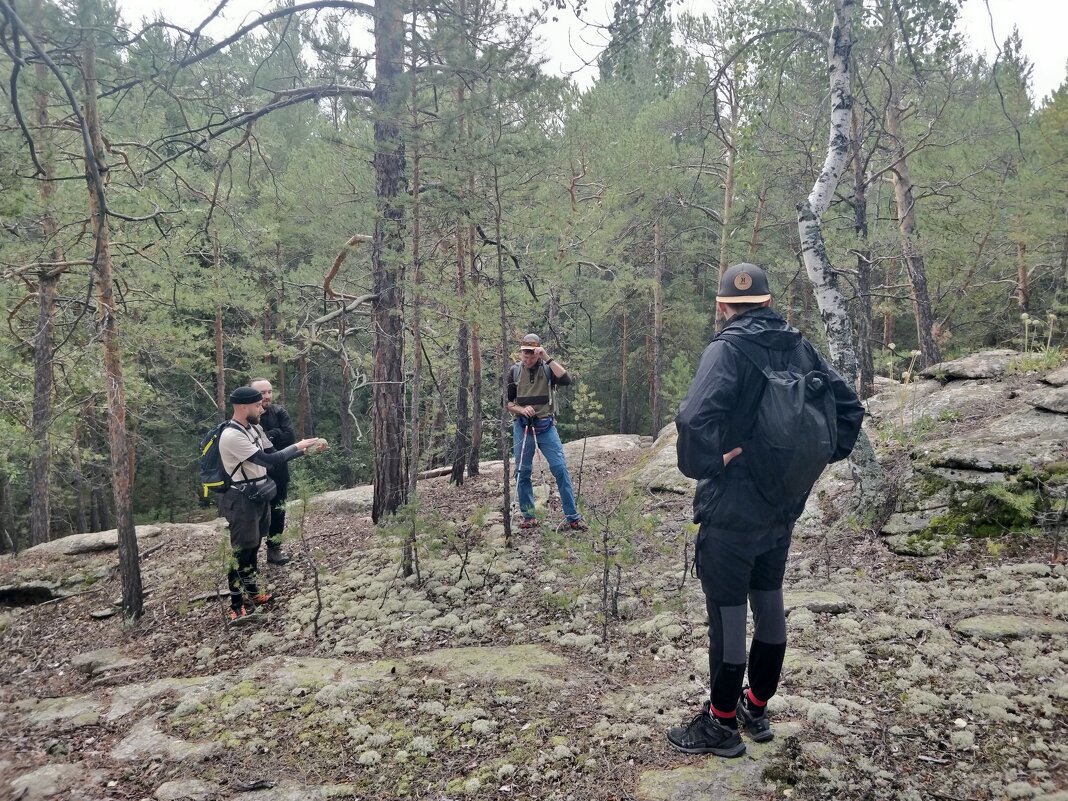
x=1042, y=25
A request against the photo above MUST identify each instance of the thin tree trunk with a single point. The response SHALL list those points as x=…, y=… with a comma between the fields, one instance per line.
x=129, y=565
x=503, y=437
x=415, y=452
x=906, y=216
x=658, y=329
x=754, y=240
x=462, y=441
x=476, y=402
x=387, y=266
x=624, y=364
x=348, y=475
x=865, y=359
x=305, y=423
x=43, y=374
x=1023, y=289
x=728, y=190
x=220, y=365
x=7, y=517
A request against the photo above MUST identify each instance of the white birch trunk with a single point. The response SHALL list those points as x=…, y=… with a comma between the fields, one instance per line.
x=872, y=500
x=821, y=273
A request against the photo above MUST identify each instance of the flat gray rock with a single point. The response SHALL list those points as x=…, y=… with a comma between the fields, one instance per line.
x=985, y=364
x=187, y=790
x=102, y=660
x=1051, y=400
x=95, y=542
x=660, y=473
x=1010, y=627
x=146, y=741
x=357, y=501
x=29, y=593
x=893, y=396
x=519, y=663
x=1058, y=377
x=74, y=711
x=73, y=780
x=1028, y=438
x=909, y=545
x=816, y=602
x=910, y=522
x=595, y=446
x=712, y=778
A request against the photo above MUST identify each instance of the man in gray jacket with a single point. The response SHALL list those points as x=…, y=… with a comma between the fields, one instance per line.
x=744, y=539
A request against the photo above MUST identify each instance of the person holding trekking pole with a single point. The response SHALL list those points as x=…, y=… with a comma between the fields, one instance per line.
x=531, y=382
x=764, y=416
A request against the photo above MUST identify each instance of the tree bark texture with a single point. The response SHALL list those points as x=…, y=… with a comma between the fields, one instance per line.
x=505, y=428
x=658, y=330
x=476, y=402
x=624, y=363
x=43, y=373
x=865, y=359
x=387, y=267
x=348, y=474
x=824, y=278
x=220, y=364
x=462, y=441
x=906, y=216
x=129, y=565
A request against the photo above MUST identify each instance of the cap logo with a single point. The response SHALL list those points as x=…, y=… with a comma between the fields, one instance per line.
x=743, y=281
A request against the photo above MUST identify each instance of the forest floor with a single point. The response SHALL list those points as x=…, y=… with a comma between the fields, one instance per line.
x=545, y=670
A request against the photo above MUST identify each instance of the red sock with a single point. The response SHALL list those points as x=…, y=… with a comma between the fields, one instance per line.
x=754, y=703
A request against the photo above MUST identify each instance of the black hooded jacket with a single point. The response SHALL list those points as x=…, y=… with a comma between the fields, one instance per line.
x=719, y=412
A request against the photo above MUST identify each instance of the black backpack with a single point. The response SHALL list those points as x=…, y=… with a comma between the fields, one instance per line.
x=796, y=430
x=213, y=478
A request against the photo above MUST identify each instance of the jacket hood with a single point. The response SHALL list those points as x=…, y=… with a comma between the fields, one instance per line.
x=767, y=326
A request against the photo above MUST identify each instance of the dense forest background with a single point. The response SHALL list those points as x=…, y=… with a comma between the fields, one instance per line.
x=181, y=215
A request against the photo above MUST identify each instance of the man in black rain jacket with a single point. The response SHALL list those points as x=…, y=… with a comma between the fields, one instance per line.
x=744, y=540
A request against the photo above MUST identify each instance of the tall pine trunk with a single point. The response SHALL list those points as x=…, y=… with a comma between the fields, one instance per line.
x=658, y=330
x=505, y=429
x=43, y=373
x=387, y=266
x=906, y=216
x=129, y=565
x=462, y=441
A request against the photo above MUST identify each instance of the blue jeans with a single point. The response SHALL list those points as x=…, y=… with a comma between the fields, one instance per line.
x=553, y=450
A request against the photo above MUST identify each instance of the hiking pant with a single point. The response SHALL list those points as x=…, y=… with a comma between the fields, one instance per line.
x=242, y=576
x=249, y=522
x=278, y=505
x=548, y=442
x=735, y=568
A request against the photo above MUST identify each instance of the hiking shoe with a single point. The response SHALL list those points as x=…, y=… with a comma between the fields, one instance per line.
x=528, y=522
x=706, y=735
x=275, y=555
x=262, y=598
x=573, y=525
x=238, y=615
x=757, y=726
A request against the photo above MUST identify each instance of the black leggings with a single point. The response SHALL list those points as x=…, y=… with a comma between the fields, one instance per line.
x=242, y=576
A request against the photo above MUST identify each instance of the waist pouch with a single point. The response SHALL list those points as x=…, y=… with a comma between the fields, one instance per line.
x=541, y=424
x=263, y=491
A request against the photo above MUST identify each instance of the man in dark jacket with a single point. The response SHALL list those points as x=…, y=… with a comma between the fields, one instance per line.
x=744, y=539
x=274, y=420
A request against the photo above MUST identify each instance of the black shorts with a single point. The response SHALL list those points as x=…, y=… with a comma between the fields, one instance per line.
x=730, y=564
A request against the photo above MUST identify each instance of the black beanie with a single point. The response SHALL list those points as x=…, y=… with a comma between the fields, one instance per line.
x=246, y=395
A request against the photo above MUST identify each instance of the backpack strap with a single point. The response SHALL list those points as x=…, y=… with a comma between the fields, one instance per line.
x=240, y=465
x=747, y=350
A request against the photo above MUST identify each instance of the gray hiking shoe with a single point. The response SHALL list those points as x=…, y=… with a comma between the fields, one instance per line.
x=706, y=735
x=275, y=555
x=756, y=726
